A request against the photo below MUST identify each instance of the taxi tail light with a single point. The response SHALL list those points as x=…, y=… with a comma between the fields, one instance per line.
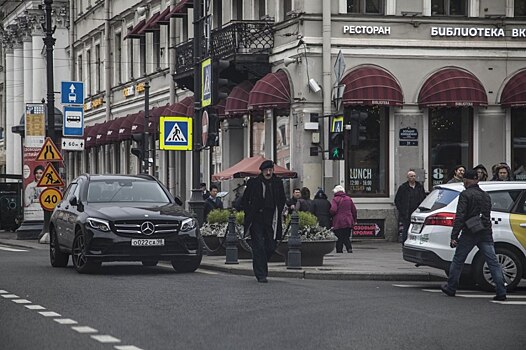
x=440, y=219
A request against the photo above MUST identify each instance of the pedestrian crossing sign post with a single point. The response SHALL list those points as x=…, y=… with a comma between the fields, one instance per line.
x=206, y=75
x=175, y=133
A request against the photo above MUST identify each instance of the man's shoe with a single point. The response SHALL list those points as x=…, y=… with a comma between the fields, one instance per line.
x=263, y=280
x=499, y=297
x=446, y=291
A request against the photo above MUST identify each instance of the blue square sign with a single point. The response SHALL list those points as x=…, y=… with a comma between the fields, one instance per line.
x=72, y=92
x=73, y=124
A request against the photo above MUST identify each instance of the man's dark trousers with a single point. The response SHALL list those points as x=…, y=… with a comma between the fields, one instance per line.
x=263, y=246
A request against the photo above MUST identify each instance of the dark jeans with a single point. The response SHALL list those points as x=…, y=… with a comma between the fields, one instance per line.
x=465, y=244
x=405, y=228
x=344, y=238
x=263, y=246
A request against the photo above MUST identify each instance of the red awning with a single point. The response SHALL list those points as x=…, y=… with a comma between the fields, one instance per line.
x=271, y=91
x=151, y=24
x=452, y=87
x=126, y=127
x=100, y=137
x=91, y=134
x=112, y=135
x=153, y=117
x=185, y=108
x=180, y=10
x=164, y=18
x=134, y=32
x=220, y=108
x=138, y=123
x=371, y=86
x=237, y=100
x=514, y=93
x=250, y=167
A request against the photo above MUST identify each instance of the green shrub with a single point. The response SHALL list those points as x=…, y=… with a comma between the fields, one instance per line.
x=240, y=217
x=306, y=219
x=218, y=216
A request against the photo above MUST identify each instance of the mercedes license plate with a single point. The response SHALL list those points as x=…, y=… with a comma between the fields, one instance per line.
x=147, y=242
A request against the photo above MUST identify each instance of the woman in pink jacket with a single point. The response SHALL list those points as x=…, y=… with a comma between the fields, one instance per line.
x=344, y=216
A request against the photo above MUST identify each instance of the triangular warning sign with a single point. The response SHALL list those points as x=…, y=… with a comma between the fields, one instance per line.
x=49, y=152
x=176, y=135
x=50, y=178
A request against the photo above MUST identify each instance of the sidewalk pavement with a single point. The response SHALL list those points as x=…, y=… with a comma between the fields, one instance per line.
x=372, y=259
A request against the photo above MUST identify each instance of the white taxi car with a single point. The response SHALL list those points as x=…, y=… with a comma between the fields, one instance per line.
x=429, y=235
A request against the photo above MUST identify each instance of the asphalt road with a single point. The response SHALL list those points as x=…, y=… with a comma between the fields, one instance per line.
x=129, y=307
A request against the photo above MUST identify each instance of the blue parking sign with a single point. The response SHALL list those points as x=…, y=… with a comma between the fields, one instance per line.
x=72, y=92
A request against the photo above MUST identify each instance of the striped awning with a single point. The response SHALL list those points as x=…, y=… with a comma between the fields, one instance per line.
x=91, y=135
x=180, y=9
x=126, y=127
x=371, y=86
x=112, y=134
x=151, y=24
x=514, y=92
x=220, y=108
x=237, y=100
x=134, y=33
x=102, y=131
x=452, y=87
x=185, y=108
x=271, y=91
x=153, y=117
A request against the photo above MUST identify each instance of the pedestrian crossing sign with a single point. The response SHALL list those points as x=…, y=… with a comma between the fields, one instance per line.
x=176, y=133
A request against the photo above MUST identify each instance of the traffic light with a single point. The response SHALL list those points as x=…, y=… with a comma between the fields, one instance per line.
x=213, y=131
x=336, y=145
x=219, y=84
x=139, y=150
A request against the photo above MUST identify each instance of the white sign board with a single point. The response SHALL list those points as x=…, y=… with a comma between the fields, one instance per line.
x=72, y=144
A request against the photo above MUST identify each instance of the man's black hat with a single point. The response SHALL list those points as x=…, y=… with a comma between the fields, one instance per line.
x=471, y=175
x=266, y=165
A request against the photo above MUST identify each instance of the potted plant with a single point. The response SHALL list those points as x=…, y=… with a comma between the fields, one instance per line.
x=214, y=233
x=316, y=241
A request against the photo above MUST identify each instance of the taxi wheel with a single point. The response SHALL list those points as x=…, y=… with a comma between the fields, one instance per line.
x=511, y=268
x=80, y=261
x=56, y=256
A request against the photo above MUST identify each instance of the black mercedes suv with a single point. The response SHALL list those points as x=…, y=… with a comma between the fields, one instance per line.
x=122, y=218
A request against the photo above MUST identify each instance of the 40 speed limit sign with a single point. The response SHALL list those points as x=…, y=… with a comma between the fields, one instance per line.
x=49, y=198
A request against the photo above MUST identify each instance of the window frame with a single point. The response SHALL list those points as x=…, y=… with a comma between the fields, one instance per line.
x=363, y=8
x=447, y=8
x=118, y=58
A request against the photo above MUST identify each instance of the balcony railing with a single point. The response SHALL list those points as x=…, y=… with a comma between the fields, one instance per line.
x=236, y=38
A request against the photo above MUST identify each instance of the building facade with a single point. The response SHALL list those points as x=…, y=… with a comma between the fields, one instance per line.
x=422, y=85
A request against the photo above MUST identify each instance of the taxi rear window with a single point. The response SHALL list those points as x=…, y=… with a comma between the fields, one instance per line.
x=438, y=198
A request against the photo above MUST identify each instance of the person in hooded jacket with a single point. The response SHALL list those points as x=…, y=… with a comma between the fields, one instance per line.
x=344, y=217
x=321, y=208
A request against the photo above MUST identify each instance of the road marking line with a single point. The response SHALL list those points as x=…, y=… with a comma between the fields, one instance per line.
x=84, y=329
x=127, y=347
x=21, y=301
x=3, y=291
x=405, y=285
x=106, y=339
x=35, y=307
x=10, y=296
x=65, y=321
x=509, y=302
x=432, y=290
x=207, y=272
x=3, y=247
x=49, y=314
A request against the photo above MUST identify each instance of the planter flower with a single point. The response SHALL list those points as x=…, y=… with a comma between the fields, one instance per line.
x=316, y=241
x=214, y=233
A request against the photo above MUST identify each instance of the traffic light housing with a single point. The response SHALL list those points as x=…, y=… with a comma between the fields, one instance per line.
x=219, y=84
x=336, y=146
x=138, y=151
x=358, y=131
x=213, y=131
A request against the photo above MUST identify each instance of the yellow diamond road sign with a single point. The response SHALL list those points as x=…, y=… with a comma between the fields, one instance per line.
x=50, y=178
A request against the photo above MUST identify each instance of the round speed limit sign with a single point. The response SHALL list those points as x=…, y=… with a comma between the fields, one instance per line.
x=49, y=198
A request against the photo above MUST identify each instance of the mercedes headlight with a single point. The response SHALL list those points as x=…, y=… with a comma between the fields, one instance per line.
x=99, y=224
x=188, y=225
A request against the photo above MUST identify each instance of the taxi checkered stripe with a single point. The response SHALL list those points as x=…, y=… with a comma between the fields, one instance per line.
x=496, y=221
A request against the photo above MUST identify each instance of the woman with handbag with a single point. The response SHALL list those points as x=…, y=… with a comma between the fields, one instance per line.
x=344, y=217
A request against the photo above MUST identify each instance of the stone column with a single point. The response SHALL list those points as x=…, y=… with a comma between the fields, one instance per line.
x=28, y=69
x=39, y=68
x=18, y=103
x=9, y=136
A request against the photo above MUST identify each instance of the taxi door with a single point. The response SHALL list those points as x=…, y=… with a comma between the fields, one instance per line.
x=518, y=222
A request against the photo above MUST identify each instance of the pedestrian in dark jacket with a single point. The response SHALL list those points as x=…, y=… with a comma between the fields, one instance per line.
x=304, y=202
x=344, y=217
x=263, y=202
x=473, y=202
x=321, y=208
x=408, y=197
x=212, y=201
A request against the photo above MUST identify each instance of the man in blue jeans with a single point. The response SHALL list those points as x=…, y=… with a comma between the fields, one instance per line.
x=473, y=202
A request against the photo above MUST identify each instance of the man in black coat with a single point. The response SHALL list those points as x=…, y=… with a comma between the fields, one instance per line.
x=408, y=197
x=473, y=202
x=263, y=202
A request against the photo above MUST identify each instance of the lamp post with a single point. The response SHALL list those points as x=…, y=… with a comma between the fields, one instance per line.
x=146, y=134
x=196, y=200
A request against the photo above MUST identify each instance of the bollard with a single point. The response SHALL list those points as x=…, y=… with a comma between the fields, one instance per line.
x=231, y=241
x=294, y=244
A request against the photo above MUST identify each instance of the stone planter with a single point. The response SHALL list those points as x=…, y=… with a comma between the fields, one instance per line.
x=312, y=252
x=214, y=246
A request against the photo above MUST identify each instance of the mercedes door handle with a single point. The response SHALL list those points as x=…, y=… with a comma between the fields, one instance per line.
x=523, y=225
